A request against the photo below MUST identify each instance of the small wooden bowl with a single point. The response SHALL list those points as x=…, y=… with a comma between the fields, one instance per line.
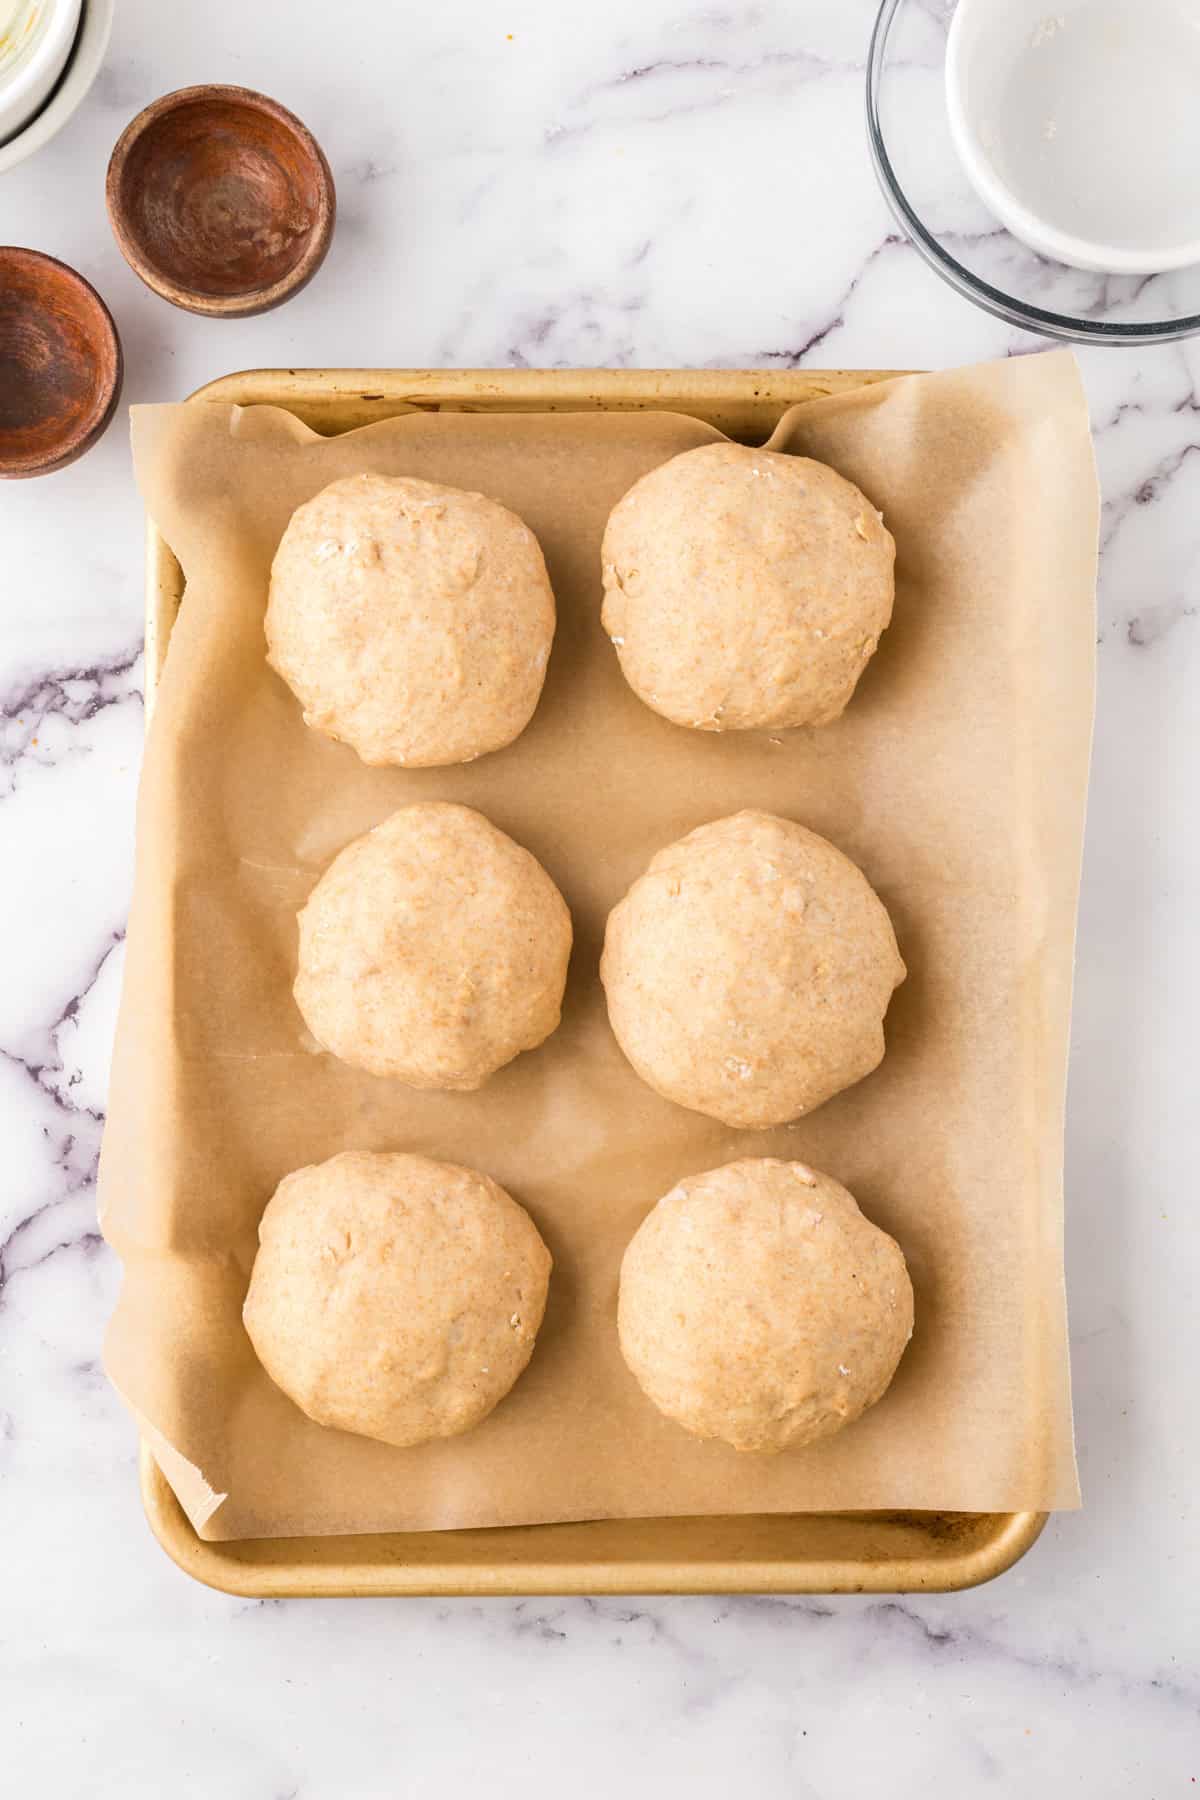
x=60, y=364
x=221, y=200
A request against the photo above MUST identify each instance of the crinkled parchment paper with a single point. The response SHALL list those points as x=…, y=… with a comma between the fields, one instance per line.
x=956, y=780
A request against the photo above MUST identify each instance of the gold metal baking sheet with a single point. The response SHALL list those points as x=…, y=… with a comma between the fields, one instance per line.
x=798, y=1553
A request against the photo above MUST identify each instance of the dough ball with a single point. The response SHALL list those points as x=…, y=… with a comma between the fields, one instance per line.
x=744, y=588
x=411, y=621
x=749, y=969
x=433, y=949
x=394, y=1296
x=758, y=1305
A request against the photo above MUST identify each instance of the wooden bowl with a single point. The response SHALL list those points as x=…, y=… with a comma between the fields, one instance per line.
x=60, y=364
x=221, y=200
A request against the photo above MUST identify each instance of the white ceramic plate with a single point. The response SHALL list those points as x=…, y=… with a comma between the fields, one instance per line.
x=37, y=47
x=81, y=71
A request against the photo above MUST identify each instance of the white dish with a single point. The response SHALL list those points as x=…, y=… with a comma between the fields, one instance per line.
x=36, y=40
x=1078, y=124
x=83, y=65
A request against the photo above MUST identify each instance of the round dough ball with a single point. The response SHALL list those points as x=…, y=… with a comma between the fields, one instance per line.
x=411, y=621
x=744, y=588
x=749, y=969
x=394, y=1296
x=433, y=949
x=757, y=1305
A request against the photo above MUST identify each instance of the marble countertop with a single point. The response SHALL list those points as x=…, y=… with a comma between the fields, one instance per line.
x=640, y=184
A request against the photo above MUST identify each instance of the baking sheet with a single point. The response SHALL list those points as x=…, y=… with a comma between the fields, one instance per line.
x=957, y=781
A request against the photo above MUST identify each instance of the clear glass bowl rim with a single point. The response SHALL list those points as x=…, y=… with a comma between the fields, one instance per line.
x=972, y=287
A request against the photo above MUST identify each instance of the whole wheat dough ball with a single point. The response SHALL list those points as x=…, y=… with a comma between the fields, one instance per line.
x=433, y=949
x=743, y=588
x=757, y=1305
x=749, y=969
x=411, y=621
x=394, y=1296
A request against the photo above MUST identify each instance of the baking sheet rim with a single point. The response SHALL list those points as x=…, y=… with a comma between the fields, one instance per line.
x=341, y=400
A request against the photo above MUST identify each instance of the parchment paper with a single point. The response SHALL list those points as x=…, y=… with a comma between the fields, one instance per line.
x=956, y=780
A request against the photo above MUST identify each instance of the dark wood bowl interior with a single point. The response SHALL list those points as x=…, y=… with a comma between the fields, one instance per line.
x=221, y=200
x=60, y=364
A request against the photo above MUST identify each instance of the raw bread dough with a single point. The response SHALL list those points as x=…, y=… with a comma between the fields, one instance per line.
x=394, y=1296
x=757, y=1305
x=412, y=621
x=744, y=588
x=433, y=949
x=749, y=969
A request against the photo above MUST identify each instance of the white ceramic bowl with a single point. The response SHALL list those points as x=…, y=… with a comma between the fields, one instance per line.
x=1078, y=124
x=85, y=53
x=33, y=57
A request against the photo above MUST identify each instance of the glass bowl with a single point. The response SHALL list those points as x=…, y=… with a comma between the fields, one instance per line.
x=928, y=190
